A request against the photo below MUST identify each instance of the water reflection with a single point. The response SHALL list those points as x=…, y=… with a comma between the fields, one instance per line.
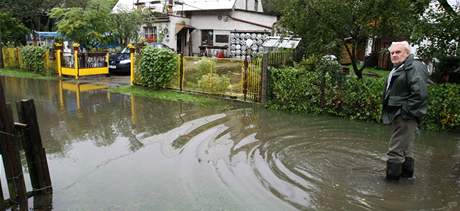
x=111, y=151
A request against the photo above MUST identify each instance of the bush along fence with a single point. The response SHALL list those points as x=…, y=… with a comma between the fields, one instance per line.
x=25, y=135
x=32, y=58
x=319, y=91
x=239, y=79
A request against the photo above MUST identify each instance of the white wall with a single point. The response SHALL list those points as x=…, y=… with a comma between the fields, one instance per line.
x=266, y=20
x=172, y=30
x=241, y=4
x=210, y=21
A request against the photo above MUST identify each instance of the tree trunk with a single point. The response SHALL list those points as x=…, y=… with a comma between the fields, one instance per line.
x=352, y=53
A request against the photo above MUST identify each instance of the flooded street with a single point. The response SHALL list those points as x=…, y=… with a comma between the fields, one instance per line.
x=111, y=151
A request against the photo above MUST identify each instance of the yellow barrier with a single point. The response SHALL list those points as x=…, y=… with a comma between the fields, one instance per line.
x=78, y=71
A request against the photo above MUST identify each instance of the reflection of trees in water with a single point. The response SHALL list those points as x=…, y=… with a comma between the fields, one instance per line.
x=99, y=119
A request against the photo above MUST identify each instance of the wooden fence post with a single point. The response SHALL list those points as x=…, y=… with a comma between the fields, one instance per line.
x=43, y=202
x=1, y=57
x=245, y=77
x=181, y=72
x=264, y=79
x=10, y=151
x=32, y=144
x=18, y=63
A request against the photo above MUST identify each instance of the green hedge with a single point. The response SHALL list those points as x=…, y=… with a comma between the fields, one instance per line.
x=301, y=91
x=158, y=66
x=33, y=58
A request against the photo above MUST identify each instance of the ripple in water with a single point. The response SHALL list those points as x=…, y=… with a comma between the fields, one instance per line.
x=306, y=162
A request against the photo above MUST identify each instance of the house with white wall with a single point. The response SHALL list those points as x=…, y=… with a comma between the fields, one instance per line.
x=204, y=27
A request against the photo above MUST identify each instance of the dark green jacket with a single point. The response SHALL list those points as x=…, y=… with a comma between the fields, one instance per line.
x=407, y=94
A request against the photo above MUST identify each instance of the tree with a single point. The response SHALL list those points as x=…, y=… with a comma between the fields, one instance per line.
x=32, y=13
x=88, y=26
x=11, y=30
x=439, y=30
x=273, y=7
x=125, y=25
x=328, y=25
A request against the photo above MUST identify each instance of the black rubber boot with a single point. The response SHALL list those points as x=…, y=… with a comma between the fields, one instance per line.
x=408, y=168
x=394, y=169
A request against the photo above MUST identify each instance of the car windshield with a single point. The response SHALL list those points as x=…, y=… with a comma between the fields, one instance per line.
x=125, y=50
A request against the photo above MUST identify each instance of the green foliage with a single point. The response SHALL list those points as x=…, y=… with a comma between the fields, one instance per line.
x=125, y=25
x=11, y=30
x=273, y=7
x=443, y=107
x=361, y=99
x=26, y=74
x=158, y=66
x=32, y=14
x=206, y=65
x=213, y=82
x=298, y=90
x=85, y=25
x=440, y=26
x=33, y=58
x=326, y=26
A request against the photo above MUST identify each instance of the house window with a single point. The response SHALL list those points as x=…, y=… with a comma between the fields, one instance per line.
x=150, y=34
x=221, y=38
x=207, y=37
x=256, y=5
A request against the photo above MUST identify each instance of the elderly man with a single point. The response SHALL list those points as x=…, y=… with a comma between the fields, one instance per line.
x=404, y=105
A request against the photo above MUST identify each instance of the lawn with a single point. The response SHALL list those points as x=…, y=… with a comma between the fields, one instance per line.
x=26, y=74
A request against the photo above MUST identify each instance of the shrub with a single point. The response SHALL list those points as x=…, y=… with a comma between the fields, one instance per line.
x=33, y=58
x=206, y=65
x=443, y=107
x=214, y=83
x=158, y=66
x=300, y=91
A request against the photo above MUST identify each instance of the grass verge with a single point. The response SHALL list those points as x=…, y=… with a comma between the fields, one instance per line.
x=371, y=72
x=25, y=74
x=171, y=95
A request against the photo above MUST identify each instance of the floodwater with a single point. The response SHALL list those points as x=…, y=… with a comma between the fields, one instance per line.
x=110, y=151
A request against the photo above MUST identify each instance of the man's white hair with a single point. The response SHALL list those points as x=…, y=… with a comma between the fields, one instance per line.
x=404, y=44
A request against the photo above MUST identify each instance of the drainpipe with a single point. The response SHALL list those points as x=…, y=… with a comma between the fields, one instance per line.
x=250, y=22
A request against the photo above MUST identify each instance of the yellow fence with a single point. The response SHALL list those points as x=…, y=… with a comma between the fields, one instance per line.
x=211, y=75
x=12, y=59
x=82, y=64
